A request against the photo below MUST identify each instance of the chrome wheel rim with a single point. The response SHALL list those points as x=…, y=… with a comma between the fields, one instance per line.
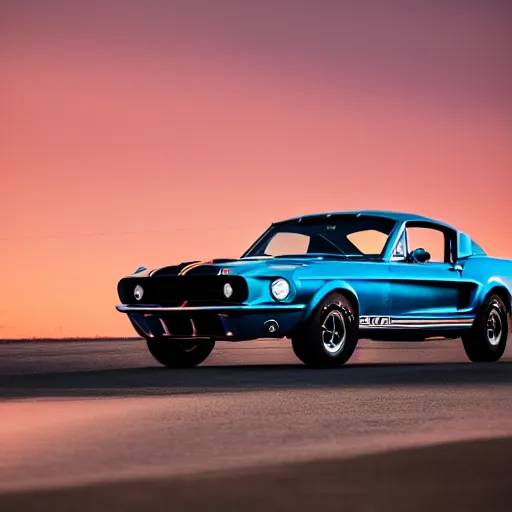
x=494, y=328
x=334, y=332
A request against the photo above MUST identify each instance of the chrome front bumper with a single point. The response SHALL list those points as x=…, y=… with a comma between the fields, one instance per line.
x=150, y=308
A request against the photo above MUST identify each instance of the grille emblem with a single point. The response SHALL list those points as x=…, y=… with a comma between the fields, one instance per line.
x=138, y=292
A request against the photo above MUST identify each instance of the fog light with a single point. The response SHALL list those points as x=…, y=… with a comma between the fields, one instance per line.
x=138, y=292
x=228, y=290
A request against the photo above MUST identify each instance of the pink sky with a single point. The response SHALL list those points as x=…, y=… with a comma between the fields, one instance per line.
x=148, y=133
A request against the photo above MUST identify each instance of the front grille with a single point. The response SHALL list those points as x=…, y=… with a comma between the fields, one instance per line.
x=174, y=290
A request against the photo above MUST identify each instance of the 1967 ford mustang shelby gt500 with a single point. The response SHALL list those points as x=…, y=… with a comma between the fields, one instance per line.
x=325, y=281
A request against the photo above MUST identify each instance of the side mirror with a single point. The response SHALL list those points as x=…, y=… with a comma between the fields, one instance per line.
x=419, y=256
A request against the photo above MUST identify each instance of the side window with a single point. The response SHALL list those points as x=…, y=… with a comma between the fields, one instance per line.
x=287, y=243
x=432, y=240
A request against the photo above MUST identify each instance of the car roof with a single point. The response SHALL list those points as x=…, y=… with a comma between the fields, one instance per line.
x=396, y=216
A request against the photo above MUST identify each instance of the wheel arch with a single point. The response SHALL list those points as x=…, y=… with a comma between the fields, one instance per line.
x=503, y=293
x=337, y=286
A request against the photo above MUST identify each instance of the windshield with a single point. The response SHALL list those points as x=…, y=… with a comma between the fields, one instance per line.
x=340, y=235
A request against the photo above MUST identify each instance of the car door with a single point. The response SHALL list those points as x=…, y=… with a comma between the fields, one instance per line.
x=431, y=290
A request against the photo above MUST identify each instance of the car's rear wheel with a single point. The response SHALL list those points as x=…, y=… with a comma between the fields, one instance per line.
x=180, y=353
x=330, y=335
x=487, y=339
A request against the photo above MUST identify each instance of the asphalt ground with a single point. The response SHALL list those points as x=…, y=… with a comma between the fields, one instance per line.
x=100, y=425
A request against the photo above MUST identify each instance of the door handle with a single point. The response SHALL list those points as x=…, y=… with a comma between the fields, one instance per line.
x=456, y=268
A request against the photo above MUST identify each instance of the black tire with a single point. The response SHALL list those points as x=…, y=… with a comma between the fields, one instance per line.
x=482, y=345
x=316, y=346
x=179, y=353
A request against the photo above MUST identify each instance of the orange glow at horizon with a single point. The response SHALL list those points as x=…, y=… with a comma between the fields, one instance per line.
x=125, y=143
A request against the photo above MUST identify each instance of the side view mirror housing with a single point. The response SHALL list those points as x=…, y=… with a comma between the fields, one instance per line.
x=419, y=256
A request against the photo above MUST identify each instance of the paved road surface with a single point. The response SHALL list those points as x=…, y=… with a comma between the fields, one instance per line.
x=78, y=413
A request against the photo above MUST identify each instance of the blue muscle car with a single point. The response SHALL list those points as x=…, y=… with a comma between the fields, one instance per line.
x=325, y=281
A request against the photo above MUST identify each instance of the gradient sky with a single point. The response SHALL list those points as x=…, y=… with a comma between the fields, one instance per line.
x=152, y=132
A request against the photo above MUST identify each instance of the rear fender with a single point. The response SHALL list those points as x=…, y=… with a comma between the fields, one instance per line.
x=496, y=285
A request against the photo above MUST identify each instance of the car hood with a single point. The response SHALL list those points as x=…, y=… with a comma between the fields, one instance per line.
x=252, y=266
x=245, y=266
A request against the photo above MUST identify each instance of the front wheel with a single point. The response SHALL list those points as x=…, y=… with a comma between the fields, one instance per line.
x=330, y=335
x=180, y=353
x=487, y=339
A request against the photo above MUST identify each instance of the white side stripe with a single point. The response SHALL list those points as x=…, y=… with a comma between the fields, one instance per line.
x=386, y=322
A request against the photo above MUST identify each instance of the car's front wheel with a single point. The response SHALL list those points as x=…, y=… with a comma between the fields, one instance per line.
x=487, y=339
x=180, y=353
x=329, y=336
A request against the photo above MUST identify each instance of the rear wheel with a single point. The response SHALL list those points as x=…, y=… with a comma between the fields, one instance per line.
x=180, y=353
x=487, y=339
x=330, y=335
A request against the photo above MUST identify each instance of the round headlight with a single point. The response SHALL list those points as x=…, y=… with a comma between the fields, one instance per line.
x=228, y=290
x=280, y=288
